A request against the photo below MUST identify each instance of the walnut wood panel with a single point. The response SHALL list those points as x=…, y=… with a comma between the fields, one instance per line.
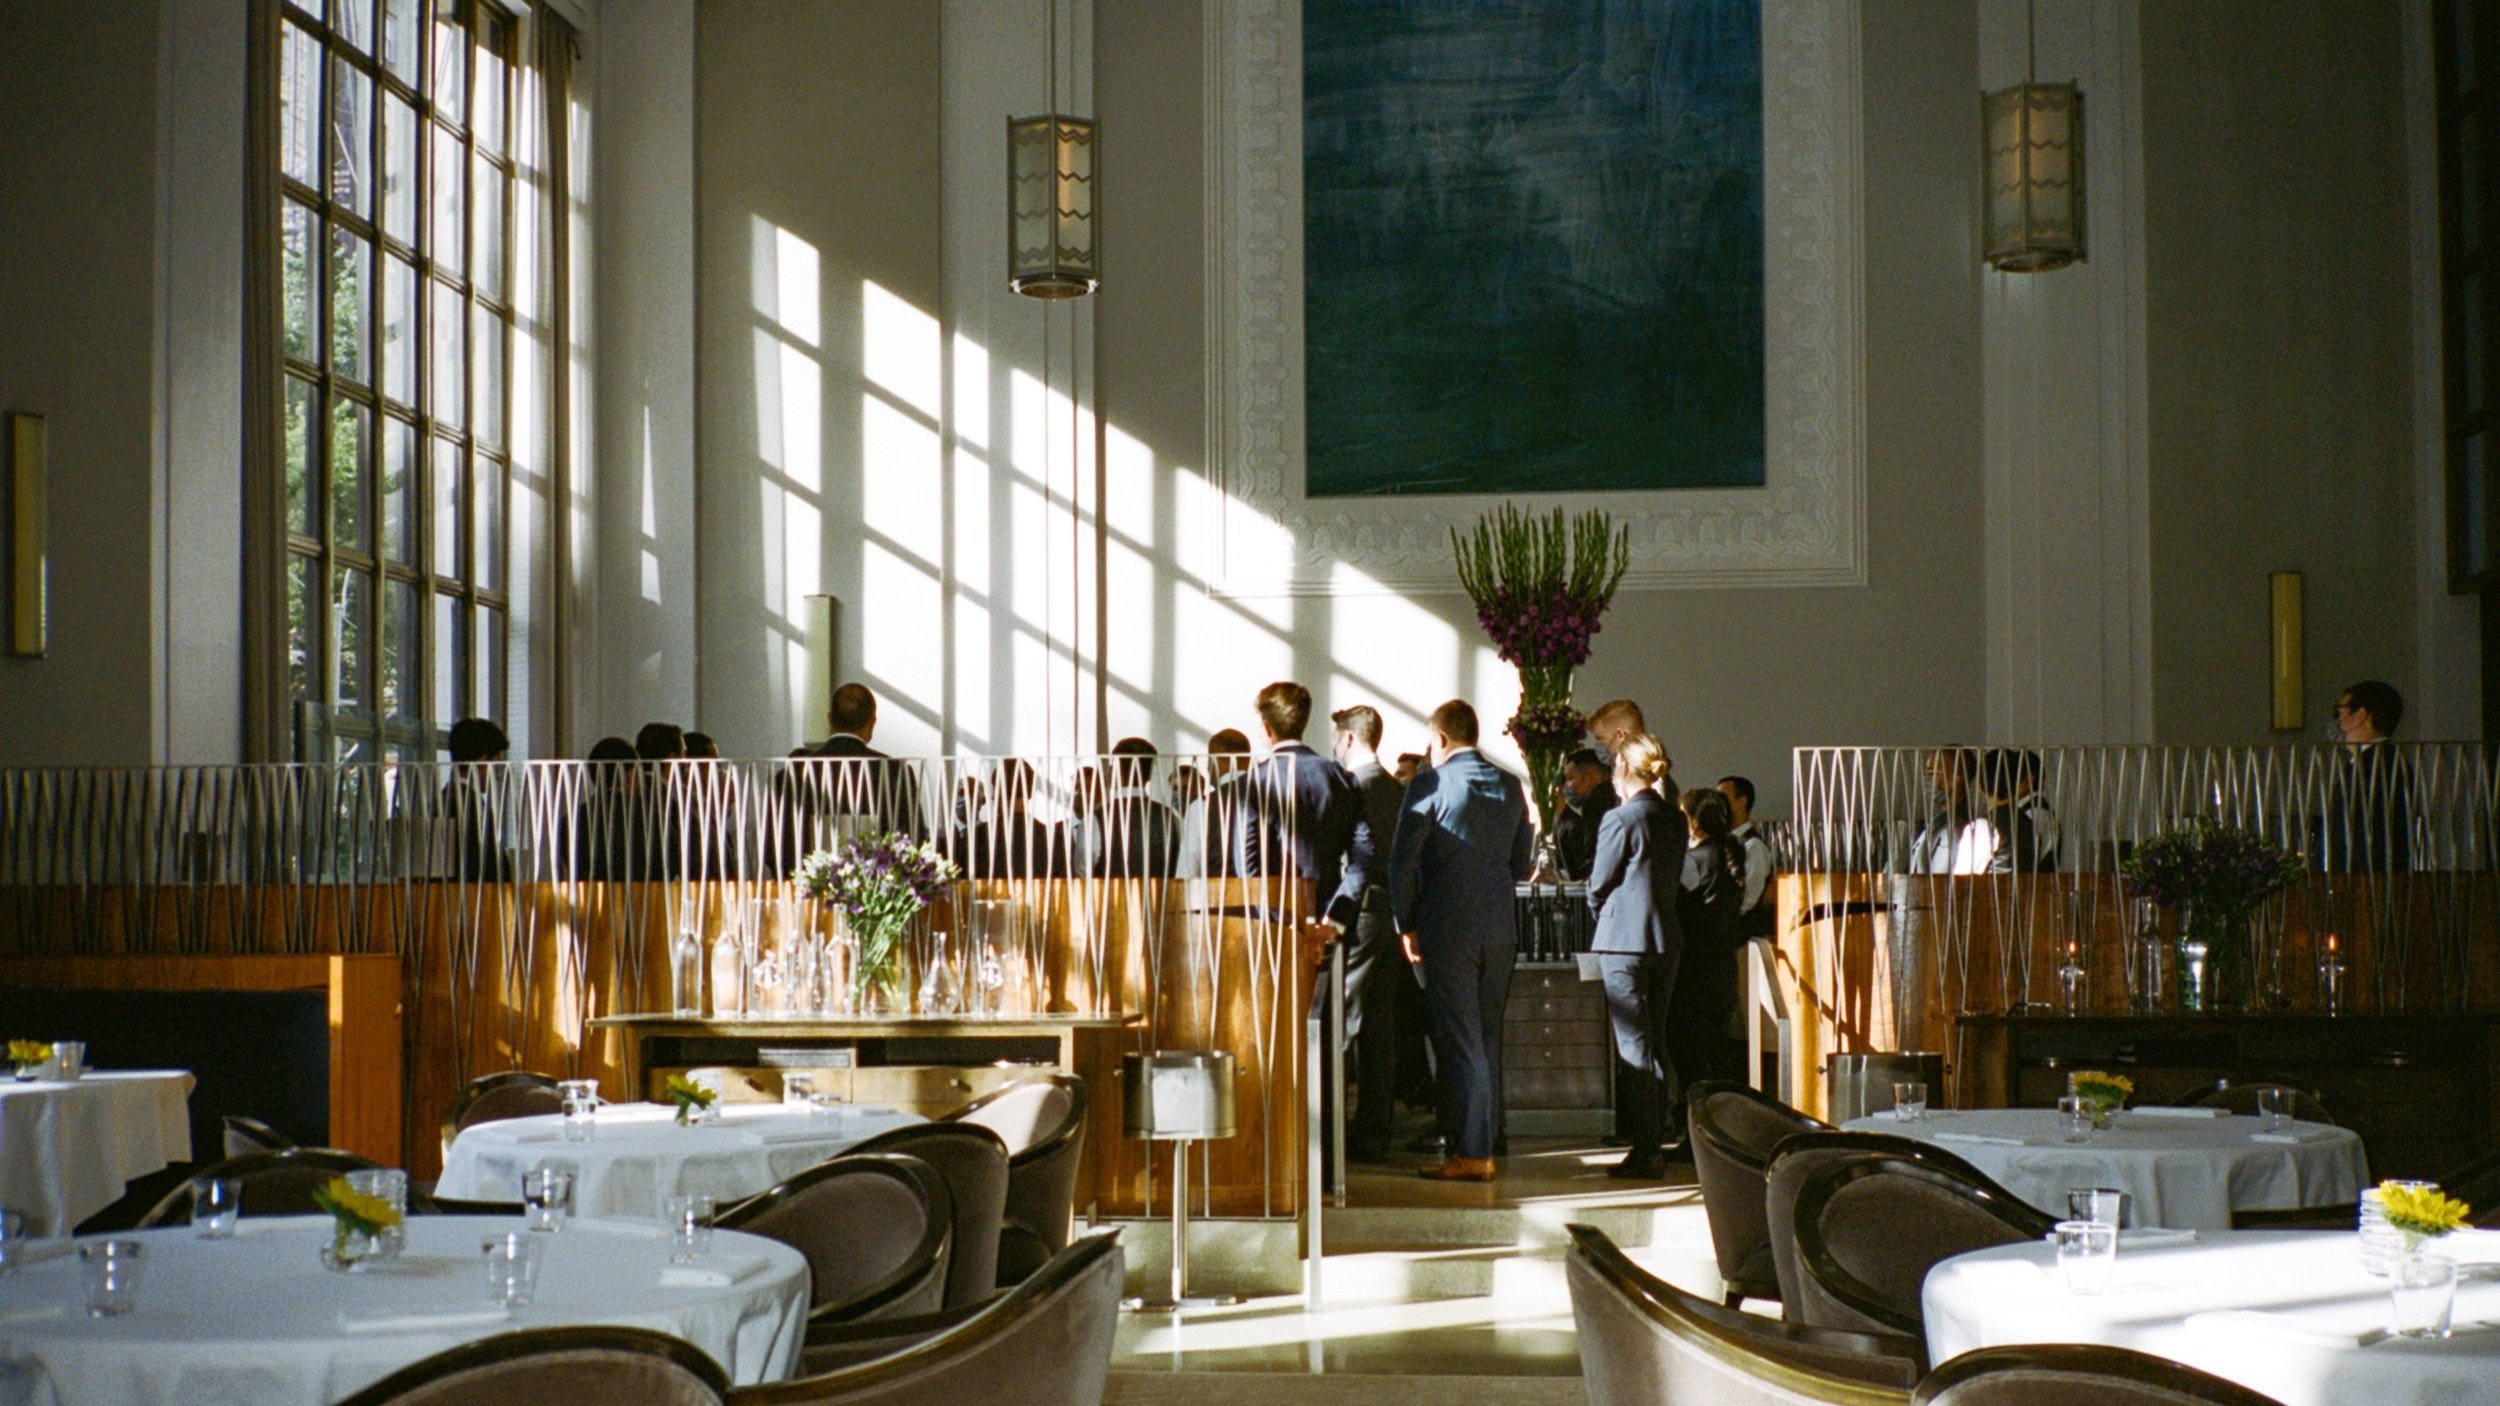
x=364, y=1006
x=2410, y=943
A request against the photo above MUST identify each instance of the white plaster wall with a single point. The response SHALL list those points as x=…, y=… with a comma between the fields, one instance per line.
x=2280, y=353
x=79, y=274
x=638, y=621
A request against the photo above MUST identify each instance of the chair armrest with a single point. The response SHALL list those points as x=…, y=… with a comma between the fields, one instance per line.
x=832, y=1345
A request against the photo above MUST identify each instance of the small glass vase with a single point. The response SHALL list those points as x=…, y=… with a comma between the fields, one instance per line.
x=2213, y=958
x=29, y=1073
x=348, y=1250
x=941, y=992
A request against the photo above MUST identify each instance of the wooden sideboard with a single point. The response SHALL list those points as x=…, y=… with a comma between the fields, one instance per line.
x=2419, y=1089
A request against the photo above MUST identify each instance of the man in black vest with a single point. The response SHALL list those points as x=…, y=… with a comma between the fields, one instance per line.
x=1759, y=916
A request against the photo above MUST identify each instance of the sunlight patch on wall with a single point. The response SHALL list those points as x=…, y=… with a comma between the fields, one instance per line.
x=899, y=350
x=898, y=483
x=788, y=282
x=900, y=645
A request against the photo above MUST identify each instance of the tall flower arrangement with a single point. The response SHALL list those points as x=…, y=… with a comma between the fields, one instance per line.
x=880, y=883
x=1541, y=584
x=2215, y=875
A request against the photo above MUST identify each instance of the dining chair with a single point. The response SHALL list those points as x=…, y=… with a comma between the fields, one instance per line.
x=1800, y=1153
x=531, y=1366
x=2076, y=1374
x=242, y=1134
x=973, y=1161
x=1047, y=1339
x=2238, y=1093
x=1870, y=1223
x=876, y=1231
x=1732, y=1130
x=275, y=1183
x=1042, y=1121
x=1643, y=1340
x=491, y=1098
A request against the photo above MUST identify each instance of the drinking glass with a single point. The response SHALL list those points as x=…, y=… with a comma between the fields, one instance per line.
x=548, y=1193
x=2273, y=1105
x=215, y=1202
x=2074, y=1120
x=389, y=1185
x=511, y=1269
x=826, y=1106
x=69, y=1058
x=581, y=1108
x=1909, y=1101
x=2423, y=1290
x=2381, y=1243
x=798, y=1090
x=689, y=1217
x=16, y=1237
x=2087, y=1252
x=114, y=1269
x=2101, y=1205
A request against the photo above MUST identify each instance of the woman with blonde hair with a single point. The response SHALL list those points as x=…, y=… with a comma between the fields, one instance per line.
x=1638, y=944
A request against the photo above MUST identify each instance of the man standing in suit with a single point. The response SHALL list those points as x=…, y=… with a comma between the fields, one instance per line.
x=1374, y=968
x=871, y=785
x=1304, y=812
x=1463, y=845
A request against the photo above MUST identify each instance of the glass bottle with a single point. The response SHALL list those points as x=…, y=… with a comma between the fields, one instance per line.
x=729, y=977
x=686, y=968
x=941, y=993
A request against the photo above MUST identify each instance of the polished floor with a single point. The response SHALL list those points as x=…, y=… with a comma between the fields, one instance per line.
x=1427, y=1280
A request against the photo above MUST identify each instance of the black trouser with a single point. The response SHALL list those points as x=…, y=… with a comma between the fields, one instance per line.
x=1467, y=985
x=1697, y=1017
x=1639, y=991
x=1375, y=967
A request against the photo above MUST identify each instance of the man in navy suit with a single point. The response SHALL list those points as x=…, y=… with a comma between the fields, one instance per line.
x=854, y=784
x=1463, y=845
x=1304, y=811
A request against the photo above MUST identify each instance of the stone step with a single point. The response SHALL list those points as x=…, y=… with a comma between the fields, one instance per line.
x=1127, y=1388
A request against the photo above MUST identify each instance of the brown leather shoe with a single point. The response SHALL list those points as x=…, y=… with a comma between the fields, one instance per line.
x=1459, y=1169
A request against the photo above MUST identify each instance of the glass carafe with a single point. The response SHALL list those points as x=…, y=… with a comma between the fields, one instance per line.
x=686, y=969
x=941, y=991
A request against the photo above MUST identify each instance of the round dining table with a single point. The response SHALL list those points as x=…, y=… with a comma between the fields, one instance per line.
x=257, y=1318
x=69, y=1147
x=638, y=1152
x=2290, y=1313
x=2185, y=1169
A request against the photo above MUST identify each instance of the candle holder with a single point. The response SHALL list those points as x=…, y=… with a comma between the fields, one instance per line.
x=2070, y=985
x=2331, y=986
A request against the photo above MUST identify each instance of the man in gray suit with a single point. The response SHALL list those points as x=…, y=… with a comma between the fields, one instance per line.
x=1373, y=966
x=1463, y=844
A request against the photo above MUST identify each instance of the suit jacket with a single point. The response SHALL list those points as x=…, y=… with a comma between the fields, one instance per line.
x=853, y=778
x=1708, y=904
x=1131, y=836
x=1383, y=795
x=1634, y=878
x=1307, y=812
x=1576, y=828
x=1463, y=845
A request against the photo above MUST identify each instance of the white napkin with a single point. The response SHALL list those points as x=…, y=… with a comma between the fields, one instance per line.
x=409, y=1320
x=534, y=1137
x=38, y=1314
x=2157, y=1110
x=2152, y=1235
x=714, y=1274
x=1991, y=1139
x=829, y=1131
x=618, y=1225
x=2294, y=1135
x=2284, y=1327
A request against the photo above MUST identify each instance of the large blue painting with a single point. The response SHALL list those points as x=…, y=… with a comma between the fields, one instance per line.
x=1532, y=244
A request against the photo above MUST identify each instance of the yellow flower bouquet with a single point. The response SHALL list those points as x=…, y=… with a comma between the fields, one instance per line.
x=690, y=1097
x=363, y=1223
x=2103, y=1093
x=2420, y=1213
x=30, y=1056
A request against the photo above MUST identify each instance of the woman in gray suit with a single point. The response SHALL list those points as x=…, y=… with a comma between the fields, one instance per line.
x=1632, y=891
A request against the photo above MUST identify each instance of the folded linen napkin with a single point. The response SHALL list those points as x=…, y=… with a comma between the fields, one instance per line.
x=1991, y=1139
x=2164, y=1111
x=41, y=1312
x=411, y=1320
x=2153, y=1235
x=711, y=1274
x=825, y=1133
x=2284, y=1327
x=2294, y=1135
x=618, y=1225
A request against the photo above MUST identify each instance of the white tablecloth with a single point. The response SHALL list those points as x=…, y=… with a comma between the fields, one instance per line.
x=2289, y=1313
x=257, y=1319
x=2187, y=1173
x=68, y=1149
x=638, y=1152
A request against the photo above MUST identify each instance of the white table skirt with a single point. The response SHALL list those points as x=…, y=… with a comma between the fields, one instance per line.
x=67, y=1150
x=637, y=1153
x=2287, y=1313
x=258, y=1320
x=2186, y=1173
